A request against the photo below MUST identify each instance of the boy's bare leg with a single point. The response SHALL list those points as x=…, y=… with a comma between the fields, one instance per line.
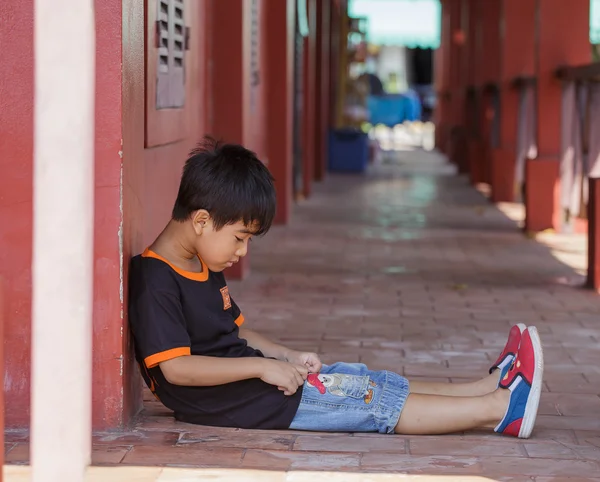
x=513, y=407
x=479, y=387
x=438, y=414
x=471, y=389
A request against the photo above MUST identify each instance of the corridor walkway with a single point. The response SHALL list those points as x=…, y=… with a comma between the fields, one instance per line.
x=412, y=270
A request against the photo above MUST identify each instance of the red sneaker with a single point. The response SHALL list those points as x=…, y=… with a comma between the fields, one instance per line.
x=510, y=349
x=524, y=380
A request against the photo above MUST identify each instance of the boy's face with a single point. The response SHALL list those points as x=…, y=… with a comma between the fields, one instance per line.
x=220, y=249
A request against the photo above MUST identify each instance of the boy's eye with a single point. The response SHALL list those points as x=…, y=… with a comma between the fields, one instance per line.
x=241, y=240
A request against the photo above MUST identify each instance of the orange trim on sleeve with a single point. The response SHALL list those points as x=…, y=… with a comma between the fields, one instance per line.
x=239, y=321
x=153, y=360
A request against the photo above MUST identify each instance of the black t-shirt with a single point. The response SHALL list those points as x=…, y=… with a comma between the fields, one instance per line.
x=174, y=313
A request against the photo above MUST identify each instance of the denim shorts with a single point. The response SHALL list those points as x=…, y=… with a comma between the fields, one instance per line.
x=348, y=397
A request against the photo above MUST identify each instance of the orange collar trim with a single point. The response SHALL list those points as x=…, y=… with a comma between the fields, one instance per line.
x=202, y=276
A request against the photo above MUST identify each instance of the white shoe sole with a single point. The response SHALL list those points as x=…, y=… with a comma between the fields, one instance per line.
x=533, y=401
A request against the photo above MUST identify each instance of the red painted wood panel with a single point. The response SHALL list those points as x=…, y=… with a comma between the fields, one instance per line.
x=16, y=211
x=593, y=270
x=280, y=18
x=309, y=106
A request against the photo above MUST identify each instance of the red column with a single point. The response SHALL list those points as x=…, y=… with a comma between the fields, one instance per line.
x=227, y=88
x=517, y=60
x=480, y=53
x=207, y=53
x=559, y=41
x=593, y=272
x=309, y=105
x=279, y=25
x=463, y=61
x=489, y=56
x=472, y=108
x=338, y=13
x=442, y=79
x=455, y=83
x=470, y=51
x=321, y=100
x=449, y=82
x=228, y=70
x=16, y=206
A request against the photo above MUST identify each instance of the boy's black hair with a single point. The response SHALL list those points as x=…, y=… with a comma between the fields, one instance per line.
x=230, y=182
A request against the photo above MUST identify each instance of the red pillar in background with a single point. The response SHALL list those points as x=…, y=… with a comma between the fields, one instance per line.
x=228, y=77
x=228, y=70
x=321, y=101
x=207, y=53
x=489, y=56
x=442, y=80
x=480, y=77
x=456, y=143
x=562, y=38
x=309, y=105
x=450, y=83
x=474, y=82
x=463, y=61
x=593, y=271
x=16, y=205
x=280, y=16
x=471, y=38
x=337, y=14
x=517, y=59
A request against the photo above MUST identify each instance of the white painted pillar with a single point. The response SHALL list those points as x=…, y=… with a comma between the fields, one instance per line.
x=64, y=51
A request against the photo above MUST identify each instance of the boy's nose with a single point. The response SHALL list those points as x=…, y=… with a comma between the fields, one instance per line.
x=241, y=252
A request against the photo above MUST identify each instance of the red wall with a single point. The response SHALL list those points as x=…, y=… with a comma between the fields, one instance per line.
x=16, y=162
x=135, y=186
x=309, y=107
x=238, y=113
x=255, y=135
x=151, y=176
x=279, y=22
x=322, y=87
x=16, y=153
x=490, y=40
x=108, y=306
x=133, y=181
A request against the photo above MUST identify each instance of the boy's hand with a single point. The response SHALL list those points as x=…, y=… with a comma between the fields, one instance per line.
x=285, y=376
x=310, y=360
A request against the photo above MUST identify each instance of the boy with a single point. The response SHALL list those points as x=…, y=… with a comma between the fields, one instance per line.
x=199, y=359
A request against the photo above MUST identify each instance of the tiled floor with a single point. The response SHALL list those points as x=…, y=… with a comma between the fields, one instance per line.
x=412, y=270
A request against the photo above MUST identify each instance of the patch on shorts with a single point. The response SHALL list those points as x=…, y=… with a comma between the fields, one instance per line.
x=342, y=385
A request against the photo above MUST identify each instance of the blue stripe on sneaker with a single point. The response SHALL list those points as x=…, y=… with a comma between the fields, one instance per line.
x=519, y=394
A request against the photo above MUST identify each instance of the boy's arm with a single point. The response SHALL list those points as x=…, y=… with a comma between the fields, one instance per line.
x=271, y=349
x=205, y=371
x=163, y=340
x=262, y=343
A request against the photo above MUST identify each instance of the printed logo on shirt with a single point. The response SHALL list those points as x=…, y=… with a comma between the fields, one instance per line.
x=226, y=298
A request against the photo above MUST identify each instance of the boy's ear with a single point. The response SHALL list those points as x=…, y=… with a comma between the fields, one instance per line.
x=200, y=219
